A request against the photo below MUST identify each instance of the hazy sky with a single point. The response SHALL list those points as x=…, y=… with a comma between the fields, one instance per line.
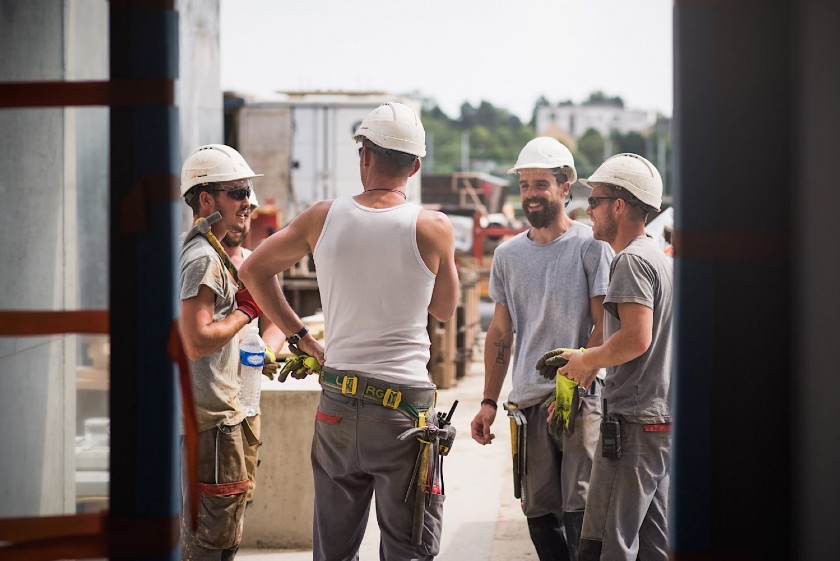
x=507, y=52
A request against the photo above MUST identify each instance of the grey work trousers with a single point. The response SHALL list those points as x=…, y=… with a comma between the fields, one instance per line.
x=355, y=453
x=557, y=472
x=627, y=512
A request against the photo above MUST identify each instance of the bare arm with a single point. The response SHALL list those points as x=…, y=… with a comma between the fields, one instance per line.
x=275, y=255
x=596, y=309
x=436, y=243
x=497, y=351
x=629, y=342
x=202, y=335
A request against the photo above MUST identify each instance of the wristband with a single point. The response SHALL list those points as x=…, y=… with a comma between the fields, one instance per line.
x=249, y=316
x=491, y=402
x=295, y=339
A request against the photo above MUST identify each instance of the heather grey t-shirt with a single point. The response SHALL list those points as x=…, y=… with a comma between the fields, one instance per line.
x=215, y=378
x=547, y=288
x=639, y=390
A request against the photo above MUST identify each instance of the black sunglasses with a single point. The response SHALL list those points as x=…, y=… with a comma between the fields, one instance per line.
x=238, y=194
x=593, y=201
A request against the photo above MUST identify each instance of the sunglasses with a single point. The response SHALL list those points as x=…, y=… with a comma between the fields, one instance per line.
x=593, y=201
x=238, y=194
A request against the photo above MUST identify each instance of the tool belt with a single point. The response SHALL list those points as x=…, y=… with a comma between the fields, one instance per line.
x=408, y=400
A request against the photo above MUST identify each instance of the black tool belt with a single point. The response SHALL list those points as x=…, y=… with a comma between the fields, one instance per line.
x=408, y=400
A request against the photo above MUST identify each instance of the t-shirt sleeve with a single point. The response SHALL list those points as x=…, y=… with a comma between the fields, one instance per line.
x=633, y=281
x=496, y=289
x=596, y=262
x=201, y=271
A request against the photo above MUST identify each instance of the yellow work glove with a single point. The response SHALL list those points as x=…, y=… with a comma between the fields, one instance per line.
x=270, y=365
x=299, y=367
x=551, y=361
x=565, y=396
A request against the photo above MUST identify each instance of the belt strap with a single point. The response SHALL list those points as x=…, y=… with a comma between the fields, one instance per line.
x=376, y=391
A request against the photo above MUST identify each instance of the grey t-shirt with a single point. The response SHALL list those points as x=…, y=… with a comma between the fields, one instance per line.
x=215, y=378
x=639, y=390
x=547, y=289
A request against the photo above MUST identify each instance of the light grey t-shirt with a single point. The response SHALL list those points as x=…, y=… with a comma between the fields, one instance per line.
x=547, y=288
x=215, y=378
x=639, y=390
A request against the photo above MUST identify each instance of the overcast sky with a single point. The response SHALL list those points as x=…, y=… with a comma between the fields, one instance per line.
x=507, y=52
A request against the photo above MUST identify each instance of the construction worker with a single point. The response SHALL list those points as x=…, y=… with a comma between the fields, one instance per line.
x=382, y=265
x=626, y=514
x=548, y=284
x=215, y=178
x=271, y=335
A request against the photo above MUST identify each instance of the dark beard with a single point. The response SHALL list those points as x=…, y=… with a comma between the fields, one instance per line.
x=542, y=218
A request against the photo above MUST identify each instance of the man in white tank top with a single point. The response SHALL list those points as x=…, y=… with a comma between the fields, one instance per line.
x=383, y=266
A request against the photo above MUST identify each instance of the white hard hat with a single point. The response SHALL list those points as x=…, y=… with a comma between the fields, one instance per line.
x=252, y=198
x=396, y=127
x=545, y=152
x=631, y=172
x=213, y=163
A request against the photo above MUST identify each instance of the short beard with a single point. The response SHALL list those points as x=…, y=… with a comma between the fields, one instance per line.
x=542, y=218
x=606, y=230
x=228, y=242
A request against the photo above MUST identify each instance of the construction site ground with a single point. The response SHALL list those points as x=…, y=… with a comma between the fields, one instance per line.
x=482, y=520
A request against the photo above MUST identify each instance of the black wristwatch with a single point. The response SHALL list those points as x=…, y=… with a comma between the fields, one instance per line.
x=295, y=339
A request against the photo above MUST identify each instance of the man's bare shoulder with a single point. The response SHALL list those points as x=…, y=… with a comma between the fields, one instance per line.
x=433, y=223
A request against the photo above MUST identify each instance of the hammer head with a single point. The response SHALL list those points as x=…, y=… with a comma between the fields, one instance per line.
x=202, y=226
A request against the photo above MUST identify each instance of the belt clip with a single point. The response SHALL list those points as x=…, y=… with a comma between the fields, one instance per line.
x=349, y=385
x=392, y=399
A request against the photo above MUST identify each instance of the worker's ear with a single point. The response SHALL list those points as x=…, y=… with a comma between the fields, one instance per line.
x=416, y=167
x=206, y=200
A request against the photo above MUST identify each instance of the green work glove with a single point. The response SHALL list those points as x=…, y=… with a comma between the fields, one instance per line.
x=270, y=365
x=299, y=366
x=566, y=401
x=551, y=361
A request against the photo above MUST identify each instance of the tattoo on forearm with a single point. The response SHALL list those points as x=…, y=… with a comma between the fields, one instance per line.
x=502, y=355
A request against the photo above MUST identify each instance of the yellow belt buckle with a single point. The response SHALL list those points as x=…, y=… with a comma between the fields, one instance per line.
x=352, y=382
x=392, y=399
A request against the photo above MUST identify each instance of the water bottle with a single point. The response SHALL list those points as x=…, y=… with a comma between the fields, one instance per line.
x=251, y=359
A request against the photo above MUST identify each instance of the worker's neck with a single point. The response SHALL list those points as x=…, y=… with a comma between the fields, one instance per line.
x=626, y=234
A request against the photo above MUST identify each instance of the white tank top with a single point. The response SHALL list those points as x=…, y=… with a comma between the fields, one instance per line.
x=375, y=292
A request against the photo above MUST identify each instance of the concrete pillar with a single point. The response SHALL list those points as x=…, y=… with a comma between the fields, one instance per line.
x=732, y=445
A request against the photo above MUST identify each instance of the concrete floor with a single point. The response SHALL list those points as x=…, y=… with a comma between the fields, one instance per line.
x=482, y=519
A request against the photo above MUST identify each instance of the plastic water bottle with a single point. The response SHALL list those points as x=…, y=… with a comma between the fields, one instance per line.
x=251, y=359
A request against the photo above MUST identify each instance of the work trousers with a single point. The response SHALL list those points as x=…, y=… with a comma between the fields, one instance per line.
x=355, y=453
x=223, y=482
x=627, y=510
x=558, y=471
x=252, y=444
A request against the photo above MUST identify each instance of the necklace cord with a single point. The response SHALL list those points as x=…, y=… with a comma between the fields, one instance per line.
x=391, y=190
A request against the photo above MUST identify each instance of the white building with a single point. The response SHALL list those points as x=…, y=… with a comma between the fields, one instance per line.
x=574, y=120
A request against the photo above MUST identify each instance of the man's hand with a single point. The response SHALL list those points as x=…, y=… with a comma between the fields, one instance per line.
x=480, y=426
x=548, y=362
x=576, y=370
x=245, y=303
x=299, y=367
x=270, y=365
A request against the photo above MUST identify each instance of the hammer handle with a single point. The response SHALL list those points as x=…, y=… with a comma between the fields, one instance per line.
x=225, y=258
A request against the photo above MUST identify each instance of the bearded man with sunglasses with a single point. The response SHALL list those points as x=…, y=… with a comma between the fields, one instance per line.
x=627, y=510
x=215, y=178
x=548, y=285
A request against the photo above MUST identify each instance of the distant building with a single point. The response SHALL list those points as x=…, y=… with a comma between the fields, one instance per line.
x=570, y=122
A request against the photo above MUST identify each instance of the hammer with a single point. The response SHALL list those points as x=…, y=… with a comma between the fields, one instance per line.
x=202, y=227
